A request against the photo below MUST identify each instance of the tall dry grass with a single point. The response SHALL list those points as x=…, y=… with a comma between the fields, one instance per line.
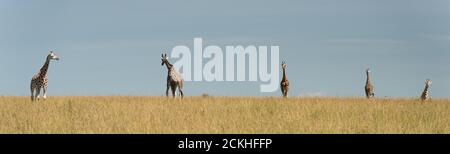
x=126, y=114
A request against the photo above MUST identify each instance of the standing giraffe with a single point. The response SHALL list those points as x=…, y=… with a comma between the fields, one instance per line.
x=174, y=79
x=284, y=81
x=369, y=87
x=40, y=79
x=425, y=92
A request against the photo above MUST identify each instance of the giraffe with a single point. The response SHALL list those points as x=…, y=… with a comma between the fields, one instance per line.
x=369, y=87
x=425, y=92
x=174, y=79
x=40, y=79
x=284, y=81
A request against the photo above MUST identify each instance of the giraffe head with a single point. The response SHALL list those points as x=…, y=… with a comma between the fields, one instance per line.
x=52, y=56
x=164, y=60
x=428, y=82
x=283, y=65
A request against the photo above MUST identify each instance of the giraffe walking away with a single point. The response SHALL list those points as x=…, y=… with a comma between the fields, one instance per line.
x=40, y=79
x=369, y=87
x=425, y=93
x=284, y=81
x=174, y=79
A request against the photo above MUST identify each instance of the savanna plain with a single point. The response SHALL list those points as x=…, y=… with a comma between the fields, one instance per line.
x=217, y=115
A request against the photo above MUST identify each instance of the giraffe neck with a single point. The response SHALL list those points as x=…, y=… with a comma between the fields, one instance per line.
x=169, y=67
x=284, y=74
x=44, y=68
x=368, y=78
x=425, y=90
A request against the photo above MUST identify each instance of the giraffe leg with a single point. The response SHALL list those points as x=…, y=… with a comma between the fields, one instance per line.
x=38, y=92
x=32, y=87
x=180, y=91
x=283, y=91
x=44, y=87
x=168, y=85
x=173, y=88
x=286, y=91
x=167, y=91
x=45, y=91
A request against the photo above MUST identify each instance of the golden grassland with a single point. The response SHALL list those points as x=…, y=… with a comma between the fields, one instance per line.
x=135, y=114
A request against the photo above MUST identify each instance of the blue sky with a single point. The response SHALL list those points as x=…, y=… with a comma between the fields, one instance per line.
x=114, y=47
